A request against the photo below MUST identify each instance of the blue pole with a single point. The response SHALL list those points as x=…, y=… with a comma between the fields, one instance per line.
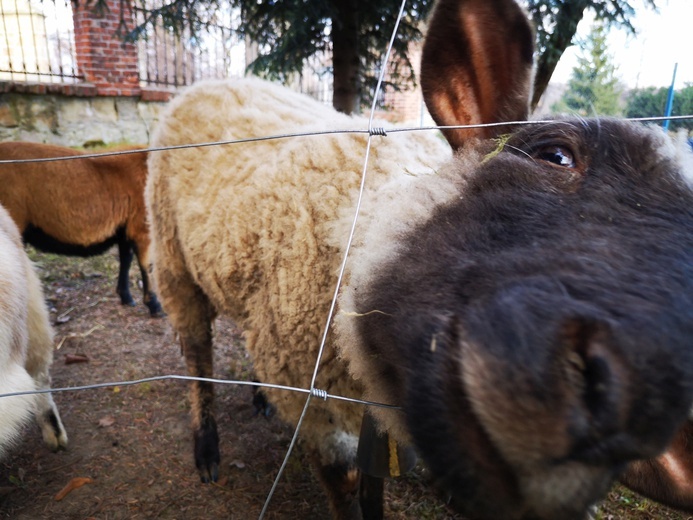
x=670, y=99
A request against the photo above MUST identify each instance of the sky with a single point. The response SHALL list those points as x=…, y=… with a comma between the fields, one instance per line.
x=648, y=59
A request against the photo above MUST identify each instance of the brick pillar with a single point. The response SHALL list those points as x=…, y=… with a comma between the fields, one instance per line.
x=102, y=57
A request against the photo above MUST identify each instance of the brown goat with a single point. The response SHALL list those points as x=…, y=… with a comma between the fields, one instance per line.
x=80, y=207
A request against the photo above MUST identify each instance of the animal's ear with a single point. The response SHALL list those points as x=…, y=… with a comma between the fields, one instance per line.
x=666, y=478
x=477, y=66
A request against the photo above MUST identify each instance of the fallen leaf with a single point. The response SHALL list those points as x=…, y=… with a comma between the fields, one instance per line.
x=6, y=490
x=105, y=422
x=75, y=483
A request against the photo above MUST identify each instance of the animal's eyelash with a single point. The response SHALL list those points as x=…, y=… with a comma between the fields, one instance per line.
x=520, y=150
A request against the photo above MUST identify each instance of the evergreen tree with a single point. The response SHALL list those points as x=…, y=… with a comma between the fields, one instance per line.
x=593, y=88
x=556, y=22
x=356, y=33
x=651, y=102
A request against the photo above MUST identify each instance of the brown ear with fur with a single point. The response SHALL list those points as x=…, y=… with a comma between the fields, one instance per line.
x=477, y=66
x=668, y=479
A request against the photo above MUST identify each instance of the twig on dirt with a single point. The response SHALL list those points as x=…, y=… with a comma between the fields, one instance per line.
x=169, y=504
x=79, y=335
x=61, y=317
x=58, y=468
x=64, y=314
x=100, y=300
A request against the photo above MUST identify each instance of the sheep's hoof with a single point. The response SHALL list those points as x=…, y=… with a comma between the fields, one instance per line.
x=210, y=474
x=127, y=300
x=53, y=431
x=207, y=452
x=155, y=308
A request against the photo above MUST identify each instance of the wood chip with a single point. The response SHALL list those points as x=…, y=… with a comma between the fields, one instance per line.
x=105, y=422
x=75, y=358
x=75, y=483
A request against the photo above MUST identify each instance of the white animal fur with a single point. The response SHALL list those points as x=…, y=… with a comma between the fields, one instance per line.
x=26, y=344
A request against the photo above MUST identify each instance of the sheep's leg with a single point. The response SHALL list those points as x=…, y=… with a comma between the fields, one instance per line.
x=371, y=490
x=191, y=314
x=47, y=415
x=38, y=362
x=138, y=236
x=198, y=358
x=150, y=299
x=125, y=254
x=341, y=484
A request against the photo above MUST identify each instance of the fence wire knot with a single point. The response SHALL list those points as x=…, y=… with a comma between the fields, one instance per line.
x=377, y=131
x=319, y=393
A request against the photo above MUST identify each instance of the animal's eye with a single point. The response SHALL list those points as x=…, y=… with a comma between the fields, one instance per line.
x=558, y=155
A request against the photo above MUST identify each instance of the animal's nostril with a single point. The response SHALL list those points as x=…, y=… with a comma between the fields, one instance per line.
x=588, y=365
x=597, y=383
x=590, y=377
x=597, y=376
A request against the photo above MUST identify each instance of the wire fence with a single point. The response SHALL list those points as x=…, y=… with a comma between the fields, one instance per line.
x=312, y=391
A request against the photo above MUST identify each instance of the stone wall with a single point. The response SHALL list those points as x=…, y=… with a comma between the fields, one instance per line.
x=77, y=121
x=105, y=104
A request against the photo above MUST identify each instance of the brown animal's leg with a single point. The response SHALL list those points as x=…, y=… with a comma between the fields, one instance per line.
x=191, y=314
x=141, y=244
x=125, y=256
x=150, y=299
x=341, y=484
x=668, y=479
x=197, y=349
x=194, y=325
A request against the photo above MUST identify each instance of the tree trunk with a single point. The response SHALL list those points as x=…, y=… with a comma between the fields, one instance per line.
x=566, y=26
x=345, y=57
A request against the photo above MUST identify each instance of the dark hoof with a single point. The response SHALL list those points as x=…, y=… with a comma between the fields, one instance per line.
x=210, y=474
x=260, y=403
x=157, y=314
x=155, y=308
x=127, y=300
x=207, y=452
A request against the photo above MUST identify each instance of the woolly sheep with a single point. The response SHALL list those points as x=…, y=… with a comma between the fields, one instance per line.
x=26, y=346
x=527, y=305
x=80, y=207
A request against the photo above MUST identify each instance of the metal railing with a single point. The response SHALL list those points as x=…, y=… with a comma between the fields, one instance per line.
x=37, y=41
x=37, y=44
x=174, y=58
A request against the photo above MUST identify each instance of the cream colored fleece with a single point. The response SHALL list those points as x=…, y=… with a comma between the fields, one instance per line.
x=261, y=227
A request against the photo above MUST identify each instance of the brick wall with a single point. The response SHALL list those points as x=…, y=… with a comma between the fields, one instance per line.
x=102, y=57
x=407, y=106
x=106, y=65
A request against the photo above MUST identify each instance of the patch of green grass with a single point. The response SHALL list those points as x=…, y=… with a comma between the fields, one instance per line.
x=60, y=267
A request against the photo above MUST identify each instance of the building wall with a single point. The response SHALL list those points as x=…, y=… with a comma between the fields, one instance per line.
x=77, y=121
x=106, y=105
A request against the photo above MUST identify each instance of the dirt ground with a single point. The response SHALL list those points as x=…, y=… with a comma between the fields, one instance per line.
x=133, y=443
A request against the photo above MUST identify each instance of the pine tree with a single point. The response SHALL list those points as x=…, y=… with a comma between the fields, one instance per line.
x=593, y=88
